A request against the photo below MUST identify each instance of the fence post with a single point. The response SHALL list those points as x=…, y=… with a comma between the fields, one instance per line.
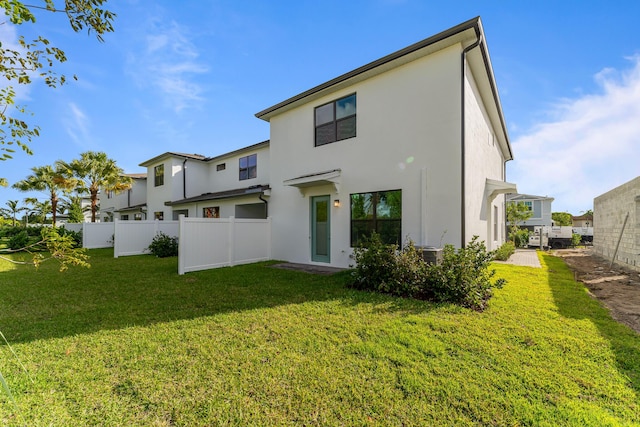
x=232, y=240
x=181, y=244
x=116, y=239
x=269, y=238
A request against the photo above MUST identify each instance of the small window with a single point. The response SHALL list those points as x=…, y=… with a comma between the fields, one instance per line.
x=221, y=167
x=137, y=217
x=109, y=194
x=248, y=167
x=158, y=215
x=124, y=217
x=158, y=173
x=379, y=211
x=211, y=212
x=336, y=120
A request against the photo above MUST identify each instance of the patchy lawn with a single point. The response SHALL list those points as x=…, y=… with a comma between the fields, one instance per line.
x=129, y=342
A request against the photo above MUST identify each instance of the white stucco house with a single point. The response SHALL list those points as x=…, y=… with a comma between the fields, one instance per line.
x=130, y=204
x=233, y=184
x=412, y=145
x=539, y=206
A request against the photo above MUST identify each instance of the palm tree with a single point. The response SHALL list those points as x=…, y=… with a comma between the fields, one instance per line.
x=12, y=210
x=40, y=209
x=93, y=171
x=72, y=206
x=47, y=179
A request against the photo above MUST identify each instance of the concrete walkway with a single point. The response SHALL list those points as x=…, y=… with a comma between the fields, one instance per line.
x=526, y=257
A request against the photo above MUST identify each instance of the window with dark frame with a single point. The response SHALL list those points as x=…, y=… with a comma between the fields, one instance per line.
x=158, y=215
x=248, y=167
x=158, y=174
x=124, y=217
x=379, y=212
x=211, y=212
x=335, y=120
x=221, y=167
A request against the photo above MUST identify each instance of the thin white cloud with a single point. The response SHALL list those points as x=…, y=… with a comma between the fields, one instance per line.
x=77, y=125
x=590, y=146
x=167, y=62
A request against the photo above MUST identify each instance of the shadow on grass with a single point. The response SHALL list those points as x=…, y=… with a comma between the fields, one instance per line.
x=574, y=302
x=143, y=290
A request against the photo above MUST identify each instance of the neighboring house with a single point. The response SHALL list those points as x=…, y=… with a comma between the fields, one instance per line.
x=539, y=206
x=232, y=184
x=582, y=221
x=616, y=219
x=125, y=205
x=412, y=145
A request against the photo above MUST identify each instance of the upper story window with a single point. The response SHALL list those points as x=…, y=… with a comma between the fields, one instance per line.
x=336, y=120
x=248, y=167
x=109, y=194
x=158, y=173
x=221, y=167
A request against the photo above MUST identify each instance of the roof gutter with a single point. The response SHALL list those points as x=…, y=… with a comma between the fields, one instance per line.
x=463, y=61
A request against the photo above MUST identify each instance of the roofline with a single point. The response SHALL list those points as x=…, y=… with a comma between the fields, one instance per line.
x=203, y=158
x=473, y=23
x=239, y=150
x=172, y=154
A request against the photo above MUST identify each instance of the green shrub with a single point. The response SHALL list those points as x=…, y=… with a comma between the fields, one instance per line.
x=520, y=238
x=19, y=241
x=576, y=239
x=463, y=277
x=505, y=251
x=164, y=246
x=75, y=235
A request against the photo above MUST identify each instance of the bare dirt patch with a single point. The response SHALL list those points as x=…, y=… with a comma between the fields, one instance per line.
x=618, y=288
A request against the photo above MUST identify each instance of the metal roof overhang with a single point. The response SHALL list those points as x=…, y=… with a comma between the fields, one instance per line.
x=331, y=177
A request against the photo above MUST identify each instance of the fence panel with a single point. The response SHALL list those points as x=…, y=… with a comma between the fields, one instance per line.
x=211, y=243
x=134, y=237
x=97, y=235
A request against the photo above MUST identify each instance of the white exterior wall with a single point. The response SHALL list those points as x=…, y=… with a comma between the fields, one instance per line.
x=136, y=195
x=229, y=179
x=408, y=132
x=483, y=159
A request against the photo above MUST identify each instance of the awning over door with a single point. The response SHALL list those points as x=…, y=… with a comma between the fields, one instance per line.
x=331, y=177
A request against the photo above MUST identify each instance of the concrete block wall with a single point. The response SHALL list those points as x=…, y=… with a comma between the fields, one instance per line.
x=609, y=212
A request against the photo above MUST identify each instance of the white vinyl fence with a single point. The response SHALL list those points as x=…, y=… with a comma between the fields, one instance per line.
x=207, y=243
x=134, y=237
x=94, y=234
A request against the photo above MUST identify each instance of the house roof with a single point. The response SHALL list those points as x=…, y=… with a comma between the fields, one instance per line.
x=201, y=157
x=467, y=34
x=255, y=189
x=130, y=208
x=516, y=197
x=172, y=154
x=136, y=175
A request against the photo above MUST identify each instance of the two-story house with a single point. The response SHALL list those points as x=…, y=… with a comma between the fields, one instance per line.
x=412, y=146
x=126, y=205
x=232, y=184
x=539, y=206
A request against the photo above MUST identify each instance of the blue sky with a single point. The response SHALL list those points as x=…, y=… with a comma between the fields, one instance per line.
x=188, y=76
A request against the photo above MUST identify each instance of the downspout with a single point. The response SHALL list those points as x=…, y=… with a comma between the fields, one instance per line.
x=266, y=205
x=463, y=59
x=184, y=179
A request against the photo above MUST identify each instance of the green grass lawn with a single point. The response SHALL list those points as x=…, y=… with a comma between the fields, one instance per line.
x=128, y=342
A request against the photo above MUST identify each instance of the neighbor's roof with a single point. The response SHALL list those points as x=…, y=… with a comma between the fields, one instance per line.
x=200, y=157
x=466, y=34
x=172, y=154
x=516, y=197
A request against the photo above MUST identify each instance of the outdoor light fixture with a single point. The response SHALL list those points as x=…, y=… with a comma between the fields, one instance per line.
x=336, y=203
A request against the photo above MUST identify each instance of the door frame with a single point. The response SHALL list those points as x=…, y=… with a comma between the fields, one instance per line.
x=315, y=257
